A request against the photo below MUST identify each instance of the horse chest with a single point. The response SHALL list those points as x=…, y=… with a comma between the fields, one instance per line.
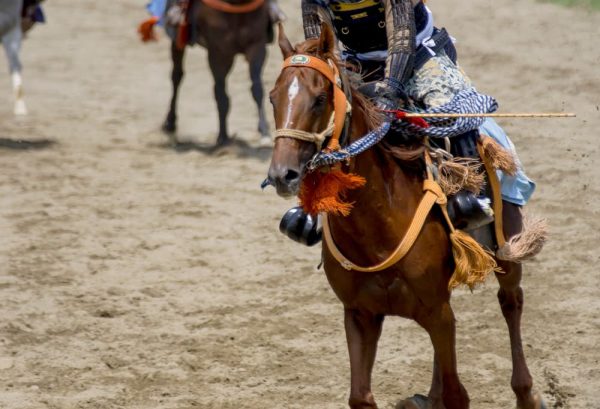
x=386, y=293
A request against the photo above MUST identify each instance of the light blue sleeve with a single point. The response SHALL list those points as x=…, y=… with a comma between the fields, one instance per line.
x=157, y=8
x=515, y=189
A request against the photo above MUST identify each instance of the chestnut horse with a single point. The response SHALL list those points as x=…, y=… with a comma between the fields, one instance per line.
x=415, y=287
x=225, y=34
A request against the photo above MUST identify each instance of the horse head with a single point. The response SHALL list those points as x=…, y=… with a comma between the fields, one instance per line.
x=303, y=105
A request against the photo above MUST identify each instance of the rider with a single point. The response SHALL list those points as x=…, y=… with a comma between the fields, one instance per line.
x=412, y=63
x=171, y=9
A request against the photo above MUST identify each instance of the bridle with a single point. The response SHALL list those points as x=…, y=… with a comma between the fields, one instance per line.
x=339, y=123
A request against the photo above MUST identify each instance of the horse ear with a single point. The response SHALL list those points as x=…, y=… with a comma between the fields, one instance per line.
x=284, y=43
x=327, y=43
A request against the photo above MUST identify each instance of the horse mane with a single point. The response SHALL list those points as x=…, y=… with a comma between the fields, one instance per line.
x=404, y=150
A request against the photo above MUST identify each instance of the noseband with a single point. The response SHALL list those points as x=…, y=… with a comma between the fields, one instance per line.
x=339, y=121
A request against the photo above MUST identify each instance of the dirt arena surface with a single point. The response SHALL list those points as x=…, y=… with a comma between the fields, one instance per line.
x=134, y=274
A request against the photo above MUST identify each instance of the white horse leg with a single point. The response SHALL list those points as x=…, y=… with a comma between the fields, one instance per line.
x=12, y=45
x=17, y=81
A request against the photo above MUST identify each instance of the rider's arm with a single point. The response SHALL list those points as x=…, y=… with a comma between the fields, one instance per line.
x=401, y=31
x=311, y=19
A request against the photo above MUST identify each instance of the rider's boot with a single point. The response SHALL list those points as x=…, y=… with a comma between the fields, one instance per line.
x=466, y=210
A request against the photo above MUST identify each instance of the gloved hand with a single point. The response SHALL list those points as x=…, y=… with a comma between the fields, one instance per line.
x=389, y=95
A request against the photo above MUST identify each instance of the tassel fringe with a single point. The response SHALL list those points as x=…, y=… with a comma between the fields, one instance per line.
x=324, y=192
x=526, y=244
x=472, y=262
x=461, y=173
x=500, y=158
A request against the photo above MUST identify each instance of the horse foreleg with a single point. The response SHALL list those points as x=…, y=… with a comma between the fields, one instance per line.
x=510, y=297
x=440, y=325
x=256, y=59
x=362, y=333
x=220, y=64
x=12, y=45
x=177, y=54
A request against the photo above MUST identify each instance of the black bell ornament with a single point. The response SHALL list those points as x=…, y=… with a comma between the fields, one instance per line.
x=301, y=227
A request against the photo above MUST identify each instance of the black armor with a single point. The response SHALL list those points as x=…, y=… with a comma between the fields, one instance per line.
x=368, y=25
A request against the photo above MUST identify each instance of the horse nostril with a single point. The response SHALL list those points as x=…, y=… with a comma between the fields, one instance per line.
x=291, y=176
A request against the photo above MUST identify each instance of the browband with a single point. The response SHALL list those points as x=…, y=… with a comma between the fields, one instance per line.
x=340, y=102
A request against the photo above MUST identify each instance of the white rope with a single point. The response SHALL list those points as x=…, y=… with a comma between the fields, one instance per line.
x=314, y=137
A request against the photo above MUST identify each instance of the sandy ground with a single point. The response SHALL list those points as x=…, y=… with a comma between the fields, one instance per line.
x=136, y=275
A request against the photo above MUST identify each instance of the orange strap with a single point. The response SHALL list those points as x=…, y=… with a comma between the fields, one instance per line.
x=433, y=194
x=225, y=7
x=496, y=195
x=340, y=102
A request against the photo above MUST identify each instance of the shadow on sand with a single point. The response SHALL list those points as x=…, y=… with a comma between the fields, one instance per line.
x=25, y=145
x=237, y=147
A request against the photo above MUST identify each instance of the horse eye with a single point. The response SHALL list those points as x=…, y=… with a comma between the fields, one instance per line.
x=320, y=101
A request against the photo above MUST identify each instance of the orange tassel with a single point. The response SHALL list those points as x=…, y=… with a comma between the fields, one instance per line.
x=324, y=192
x=146, y=29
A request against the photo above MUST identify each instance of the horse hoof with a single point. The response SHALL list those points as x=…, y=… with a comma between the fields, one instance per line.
x=539, y=401
x=223, y=141
x=20, y=108
x=169, y=127
x=416, y=402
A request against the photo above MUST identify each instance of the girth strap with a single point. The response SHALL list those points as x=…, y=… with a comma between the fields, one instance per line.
x=496, y=195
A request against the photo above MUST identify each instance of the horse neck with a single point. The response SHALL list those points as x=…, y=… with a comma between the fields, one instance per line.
x=384, y=207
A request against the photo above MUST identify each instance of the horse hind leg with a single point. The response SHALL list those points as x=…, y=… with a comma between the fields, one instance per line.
x=434, y=398
x=12, y=45
x=20, y=108
x=220, y=62
x=446, y=391
x=177, y=54
x=510, y=297
x=256, y=59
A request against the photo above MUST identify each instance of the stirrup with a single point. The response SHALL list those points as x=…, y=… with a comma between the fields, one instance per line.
x=469, y=212
x=301, y=227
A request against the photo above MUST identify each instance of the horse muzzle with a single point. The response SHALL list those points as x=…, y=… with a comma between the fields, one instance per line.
x=285, y=180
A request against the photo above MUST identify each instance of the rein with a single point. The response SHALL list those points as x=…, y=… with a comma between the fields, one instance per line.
x=341, y=105
x=225, y=7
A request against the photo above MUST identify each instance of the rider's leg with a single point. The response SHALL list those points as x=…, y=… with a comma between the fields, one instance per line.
x=276, y=15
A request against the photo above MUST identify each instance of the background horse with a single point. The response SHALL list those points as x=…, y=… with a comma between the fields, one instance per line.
x=17, y=17
x=11, y=35
x=416, y=287
x=225, y=34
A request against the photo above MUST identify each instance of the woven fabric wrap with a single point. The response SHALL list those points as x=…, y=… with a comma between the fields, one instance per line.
x=468, y=101
x=355, y=148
